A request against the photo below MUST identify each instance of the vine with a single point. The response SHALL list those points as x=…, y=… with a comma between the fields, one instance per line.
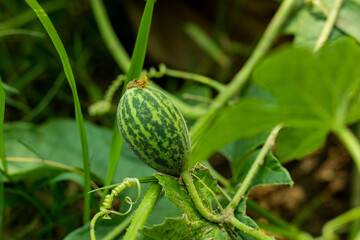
x=105, y=208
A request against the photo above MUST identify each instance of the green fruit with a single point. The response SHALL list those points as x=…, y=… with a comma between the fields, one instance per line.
x=154, y=129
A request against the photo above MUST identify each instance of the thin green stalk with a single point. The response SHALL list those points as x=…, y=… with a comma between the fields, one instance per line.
x=119, y=228
x=143, y=212
x=355, y=202
x=2, y=116
x=270, y=35
x=47, y=99
x=186, y=176
x=109, y=36
x=329, y=24
x=308, y=210
x=284, y=232
x=50, y=29
x=248, y=230
x=255, y=166
x=195, y=77
x=278, y=225
x=340, y=221
x=206, y=43
x=255, y=207
x=351, y=143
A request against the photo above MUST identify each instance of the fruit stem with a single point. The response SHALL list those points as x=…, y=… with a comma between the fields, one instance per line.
x=190, y=186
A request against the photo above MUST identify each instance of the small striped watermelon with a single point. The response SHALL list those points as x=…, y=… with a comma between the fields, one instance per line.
x=154, y=129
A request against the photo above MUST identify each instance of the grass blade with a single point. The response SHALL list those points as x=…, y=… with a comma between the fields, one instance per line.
x=50, y=29
x=138, y=56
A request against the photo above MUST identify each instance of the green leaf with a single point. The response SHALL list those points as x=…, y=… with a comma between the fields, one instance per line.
x=244, y=119
x=295, y=143
x=171, y=228
x=237, y=150
x=58, y=140
x=271, y=172
x=316, y=88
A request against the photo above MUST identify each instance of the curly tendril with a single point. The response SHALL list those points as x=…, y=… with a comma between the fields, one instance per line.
x=105, y=209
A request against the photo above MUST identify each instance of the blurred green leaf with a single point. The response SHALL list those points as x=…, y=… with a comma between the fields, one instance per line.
x=307, y=26
x=294, y=143
x=308, y=22
x=58, y=140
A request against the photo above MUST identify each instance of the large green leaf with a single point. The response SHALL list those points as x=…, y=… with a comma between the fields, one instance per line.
x=58, y=140
x=244, y=119
x=310, y=91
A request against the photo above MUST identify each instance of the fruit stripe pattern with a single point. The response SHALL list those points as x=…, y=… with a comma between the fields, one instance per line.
x=154, y=129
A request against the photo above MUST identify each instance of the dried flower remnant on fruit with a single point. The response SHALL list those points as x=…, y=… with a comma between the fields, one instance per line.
x=138, y=82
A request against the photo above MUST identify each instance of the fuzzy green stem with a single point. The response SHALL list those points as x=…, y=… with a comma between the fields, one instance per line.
x=336, y=223
x=329, y=24
x=255, y=166
x=108, y=34
x=143, y=212
x=248, y=230
x=242, y=76
x=351, y=143
x=190, y=186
